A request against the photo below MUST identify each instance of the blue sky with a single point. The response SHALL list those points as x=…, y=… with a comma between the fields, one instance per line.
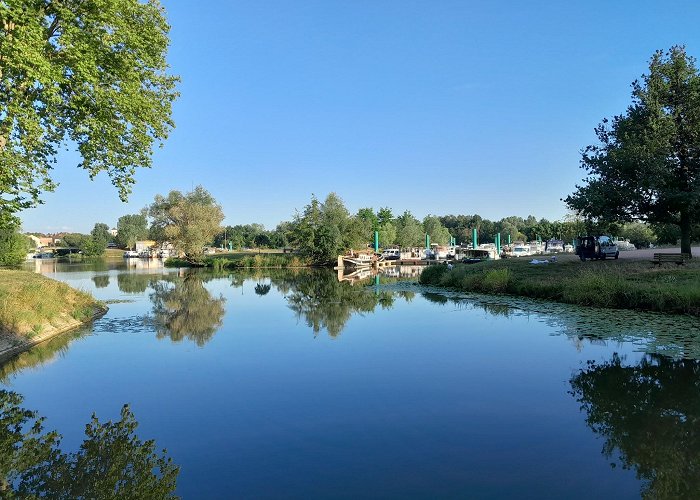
x=434, y=106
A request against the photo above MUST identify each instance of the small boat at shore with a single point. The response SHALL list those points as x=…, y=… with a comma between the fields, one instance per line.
x=356, y=260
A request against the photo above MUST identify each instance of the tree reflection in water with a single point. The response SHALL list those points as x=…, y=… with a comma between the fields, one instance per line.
x=325, y=303
x=112, y=461
x=185, y=309
x=101, y=280
x=135, y=282
x=649, y=415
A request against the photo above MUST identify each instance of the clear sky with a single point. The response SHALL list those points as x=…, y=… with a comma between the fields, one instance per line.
x=438, y=107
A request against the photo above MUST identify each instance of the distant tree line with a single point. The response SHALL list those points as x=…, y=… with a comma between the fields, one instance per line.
x=325, y=229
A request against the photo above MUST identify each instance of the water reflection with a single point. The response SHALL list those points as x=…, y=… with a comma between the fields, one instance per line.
x=135, y=282
x=325, y=303
x=101, y=280
x=185, y=309
x=112, y=461
x=40, y=354
x=649, y=416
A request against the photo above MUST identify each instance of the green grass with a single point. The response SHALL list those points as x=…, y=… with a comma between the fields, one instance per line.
x=29, y=301
x=623, y=284
x=244, y=260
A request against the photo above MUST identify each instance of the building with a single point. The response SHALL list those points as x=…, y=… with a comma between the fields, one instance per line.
x=35, y=239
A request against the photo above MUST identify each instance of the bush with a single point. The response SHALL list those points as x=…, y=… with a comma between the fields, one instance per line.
x=497, y=280
x=13, y=247
x=432, y=275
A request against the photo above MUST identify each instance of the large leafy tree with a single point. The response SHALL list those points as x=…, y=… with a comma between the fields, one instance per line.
x=90, y=74
x=131, y=228
x=647, y=164
x=188, y=221
x=409, y=231
x=325, y=230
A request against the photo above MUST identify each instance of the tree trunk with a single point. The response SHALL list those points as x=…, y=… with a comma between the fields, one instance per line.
x=685, y=232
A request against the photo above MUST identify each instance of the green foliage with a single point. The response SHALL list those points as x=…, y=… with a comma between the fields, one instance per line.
x=387, y=234
x=188, y=221
x=497, y=280
x=91, y=74
x=73, y=240
x=645, y=165
x=111, y=462
x=409, y=231
x=325, y=230
x=13, y=246
x=438, y=233
x=640, y=235
x=622, y=284
x=92, y=245
x=130, y=229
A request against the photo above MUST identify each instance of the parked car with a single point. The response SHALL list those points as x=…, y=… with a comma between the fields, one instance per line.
x=596, y=247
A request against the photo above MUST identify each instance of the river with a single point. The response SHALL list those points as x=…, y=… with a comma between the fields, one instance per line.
x=291, y=384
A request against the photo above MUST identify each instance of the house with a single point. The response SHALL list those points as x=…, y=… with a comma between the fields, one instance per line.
x=113, y=232
x=35, y=239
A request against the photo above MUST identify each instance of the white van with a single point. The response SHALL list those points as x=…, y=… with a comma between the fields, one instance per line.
x=391, y=254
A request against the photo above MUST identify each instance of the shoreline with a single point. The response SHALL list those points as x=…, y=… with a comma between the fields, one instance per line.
x=13, y=344
x=630, y=284
x=35, y=308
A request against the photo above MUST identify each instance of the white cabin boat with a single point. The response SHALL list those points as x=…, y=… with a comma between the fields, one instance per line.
x=357, y=260
x=521, y=251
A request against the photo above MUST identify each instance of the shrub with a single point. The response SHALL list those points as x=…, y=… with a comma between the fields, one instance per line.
x=496, y=280
x=13, y=247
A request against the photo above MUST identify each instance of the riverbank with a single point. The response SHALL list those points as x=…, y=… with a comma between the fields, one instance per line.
x=619, y=284
x=34, y=308
x=244, y=260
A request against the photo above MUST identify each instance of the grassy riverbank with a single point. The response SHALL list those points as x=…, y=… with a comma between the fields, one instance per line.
x=31, y=304
x=245, y=261
x=623, y=284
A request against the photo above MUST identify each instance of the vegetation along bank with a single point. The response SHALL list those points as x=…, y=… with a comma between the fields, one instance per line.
x=621, y=284
x=34, y=308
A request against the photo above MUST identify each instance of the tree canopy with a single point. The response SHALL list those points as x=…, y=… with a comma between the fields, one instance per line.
x=188, y=221
x=90, y=74
x=646, y=165
x=131, y=228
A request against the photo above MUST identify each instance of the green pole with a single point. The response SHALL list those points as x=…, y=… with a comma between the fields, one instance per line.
x=508, y=238
x=498, y=243
x=475, y=243
x=427, y=241
x=376, y=241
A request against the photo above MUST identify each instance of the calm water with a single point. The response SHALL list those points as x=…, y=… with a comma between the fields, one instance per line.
x=278, y=384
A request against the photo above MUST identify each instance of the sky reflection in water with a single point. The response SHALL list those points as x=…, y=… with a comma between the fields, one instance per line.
x=274, y=382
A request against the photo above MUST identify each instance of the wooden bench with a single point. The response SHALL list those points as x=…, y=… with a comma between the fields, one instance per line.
x=676, y=258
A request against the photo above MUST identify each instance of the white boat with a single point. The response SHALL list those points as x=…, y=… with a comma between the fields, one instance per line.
x=357, y=260
x=131, y=254
x=521, y=251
